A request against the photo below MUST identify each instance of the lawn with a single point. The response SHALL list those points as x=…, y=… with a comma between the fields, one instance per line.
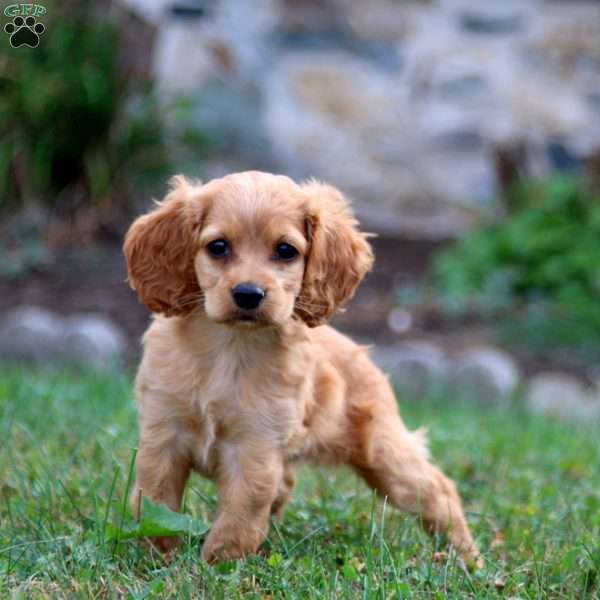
x=531, y=489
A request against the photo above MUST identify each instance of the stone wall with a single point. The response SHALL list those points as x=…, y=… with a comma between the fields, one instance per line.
x=403, y=104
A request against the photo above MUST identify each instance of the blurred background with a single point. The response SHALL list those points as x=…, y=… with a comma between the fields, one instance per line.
x=467, y=134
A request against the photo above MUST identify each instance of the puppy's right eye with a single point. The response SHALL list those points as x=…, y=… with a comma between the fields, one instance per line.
x=218, y=248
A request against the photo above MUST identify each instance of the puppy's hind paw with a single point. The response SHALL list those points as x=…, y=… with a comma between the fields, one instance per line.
x=472, y=560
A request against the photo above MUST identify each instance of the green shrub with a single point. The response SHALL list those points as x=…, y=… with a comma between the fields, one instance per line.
x=72, y=121
x=544, y=257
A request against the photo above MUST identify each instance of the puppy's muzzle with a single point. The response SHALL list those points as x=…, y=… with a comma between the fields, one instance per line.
x=248, y=295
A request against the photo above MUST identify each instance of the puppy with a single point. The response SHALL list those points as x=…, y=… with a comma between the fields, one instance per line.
x=241, y=379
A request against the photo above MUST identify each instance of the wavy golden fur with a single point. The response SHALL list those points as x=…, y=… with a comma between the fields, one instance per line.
x=242, y=395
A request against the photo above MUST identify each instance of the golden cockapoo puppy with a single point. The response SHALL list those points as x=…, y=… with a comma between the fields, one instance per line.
x=241, y=379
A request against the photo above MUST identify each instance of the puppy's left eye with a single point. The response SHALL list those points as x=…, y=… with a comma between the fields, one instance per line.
x=285, y=251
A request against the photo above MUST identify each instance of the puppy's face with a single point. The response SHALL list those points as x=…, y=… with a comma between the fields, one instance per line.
x=252, y=248
x=249, y=250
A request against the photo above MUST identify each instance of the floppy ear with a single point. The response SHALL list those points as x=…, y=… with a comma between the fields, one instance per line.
x=160, y=248
x=339, y=254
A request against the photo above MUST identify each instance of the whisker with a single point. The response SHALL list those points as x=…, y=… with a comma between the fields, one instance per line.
x=190, y=299
x=303, y=304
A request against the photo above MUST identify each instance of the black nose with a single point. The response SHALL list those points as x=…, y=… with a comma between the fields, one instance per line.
x=247, y=295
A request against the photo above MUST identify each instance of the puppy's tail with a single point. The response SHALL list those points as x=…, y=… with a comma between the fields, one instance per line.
x=420, y=441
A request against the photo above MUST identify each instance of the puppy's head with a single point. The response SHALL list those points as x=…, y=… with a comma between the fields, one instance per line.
x=251, y=249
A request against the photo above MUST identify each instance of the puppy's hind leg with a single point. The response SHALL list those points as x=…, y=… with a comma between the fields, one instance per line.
x=395, y=462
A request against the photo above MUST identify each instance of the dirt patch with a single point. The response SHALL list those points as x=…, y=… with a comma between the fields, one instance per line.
x=93, y=280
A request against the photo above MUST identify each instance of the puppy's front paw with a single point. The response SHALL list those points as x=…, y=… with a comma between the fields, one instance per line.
x=229, y=541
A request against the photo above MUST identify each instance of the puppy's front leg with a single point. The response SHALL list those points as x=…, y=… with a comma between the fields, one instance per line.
x=161, y=475
x=248, y=481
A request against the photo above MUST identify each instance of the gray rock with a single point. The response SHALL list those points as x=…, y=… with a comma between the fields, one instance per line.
x=416, y=368
x=93, y=340
x=485, y=375
x=230, y=114
x=562, y=396
x=233, y=42
x=31, y=334
x=399, y=320
x=488, y=21
x=593, y=98
x=36, y=335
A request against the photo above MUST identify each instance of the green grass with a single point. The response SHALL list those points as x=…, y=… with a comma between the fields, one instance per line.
x=531, y=488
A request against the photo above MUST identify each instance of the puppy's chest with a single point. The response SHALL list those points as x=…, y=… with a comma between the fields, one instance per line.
x=236, y=403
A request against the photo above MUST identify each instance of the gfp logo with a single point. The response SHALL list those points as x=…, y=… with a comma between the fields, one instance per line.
x=24, y=30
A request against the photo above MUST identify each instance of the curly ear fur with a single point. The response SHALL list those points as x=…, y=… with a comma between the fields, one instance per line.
x=339, y=255
x=160, y=248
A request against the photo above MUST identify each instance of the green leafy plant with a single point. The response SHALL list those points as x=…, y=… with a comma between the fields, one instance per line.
x=155, y=520
x=543, y=259
x=75, y=128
